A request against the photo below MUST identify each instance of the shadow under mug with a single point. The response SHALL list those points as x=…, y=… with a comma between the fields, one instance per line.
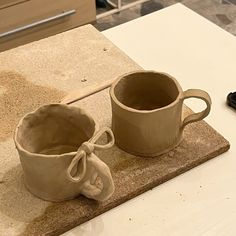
x=147, y=112
x=56, y=145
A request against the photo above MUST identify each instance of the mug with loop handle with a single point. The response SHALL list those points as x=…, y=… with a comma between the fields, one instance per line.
x=147, y=111
x=200, y=94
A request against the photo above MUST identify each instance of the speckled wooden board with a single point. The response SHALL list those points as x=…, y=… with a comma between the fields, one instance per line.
x=42, y=72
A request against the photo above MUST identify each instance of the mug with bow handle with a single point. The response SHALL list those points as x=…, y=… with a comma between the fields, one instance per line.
x=56, y=145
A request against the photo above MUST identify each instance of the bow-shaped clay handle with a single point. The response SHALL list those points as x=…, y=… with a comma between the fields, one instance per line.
x=93, y=167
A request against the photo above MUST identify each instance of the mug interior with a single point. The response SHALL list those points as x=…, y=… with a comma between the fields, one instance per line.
x=146, y=90
x=55, y=129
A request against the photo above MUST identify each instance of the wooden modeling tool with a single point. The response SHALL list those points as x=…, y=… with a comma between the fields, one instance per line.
x=79, y=94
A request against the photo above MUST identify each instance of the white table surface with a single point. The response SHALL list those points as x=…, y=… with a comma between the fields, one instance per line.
x=202, y=201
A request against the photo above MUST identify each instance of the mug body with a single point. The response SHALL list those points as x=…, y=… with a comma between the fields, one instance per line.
x=47, y=140
x=146, y=112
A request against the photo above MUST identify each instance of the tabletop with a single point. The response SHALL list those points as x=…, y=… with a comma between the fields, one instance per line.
x=198, y=54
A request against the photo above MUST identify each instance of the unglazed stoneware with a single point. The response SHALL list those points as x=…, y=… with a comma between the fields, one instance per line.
x=56, y=144
x=147, y=112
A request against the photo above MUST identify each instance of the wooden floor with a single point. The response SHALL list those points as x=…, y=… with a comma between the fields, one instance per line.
x=221, y=12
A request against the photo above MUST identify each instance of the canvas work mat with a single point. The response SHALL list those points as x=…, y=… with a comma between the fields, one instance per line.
x=43, y=72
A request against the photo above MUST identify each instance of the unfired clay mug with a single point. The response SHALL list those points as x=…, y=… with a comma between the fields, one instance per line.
x=147, y=112
x=56, y=144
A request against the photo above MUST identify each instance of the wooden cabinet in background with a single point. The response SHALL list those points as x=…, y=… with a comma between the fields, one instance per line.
x=23, y=21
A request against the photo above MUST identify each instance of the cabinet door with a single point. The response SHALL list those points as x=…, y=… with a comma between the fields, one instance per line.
x=31, y=20
x=8, y=3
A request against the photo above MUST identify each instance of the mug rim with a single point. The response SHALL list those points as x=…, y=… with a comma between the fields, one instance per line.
x=115, y=99
x=21, y=149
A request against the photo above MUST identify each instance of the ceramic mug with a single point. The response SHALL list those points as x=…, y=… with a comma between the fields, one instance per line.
x=56, y=146
x=147, y=112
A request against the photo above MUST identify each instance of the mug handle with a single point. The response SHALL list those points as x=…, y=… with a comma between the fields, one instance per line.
x=85, y=157
x=197, y=93
x=89, y=189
